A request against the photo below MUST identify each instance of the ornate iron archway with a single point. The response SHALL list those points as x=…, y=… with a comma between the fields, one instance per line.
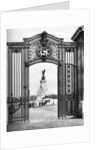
x=42, y=48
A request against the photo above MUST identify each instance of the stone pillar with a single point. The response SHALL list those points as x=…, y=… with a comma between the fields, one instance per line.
x=61, y=82
x=9, y=98
x=80, y=76
x=76, y=102
x=24, y=85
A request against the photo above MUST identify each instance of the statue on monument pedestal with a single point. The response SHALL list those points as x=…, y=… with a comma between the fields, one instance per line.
x=42, y=91
x=43, y=72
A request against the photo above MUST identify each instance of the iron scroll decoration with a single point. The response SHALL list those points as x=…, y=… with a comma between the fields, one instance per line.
x=44, y=50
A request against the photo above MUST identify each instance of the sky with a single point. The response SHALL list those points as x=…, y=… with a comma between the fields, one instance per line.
x=35, y=71
x=17, y=35
x=35, y=74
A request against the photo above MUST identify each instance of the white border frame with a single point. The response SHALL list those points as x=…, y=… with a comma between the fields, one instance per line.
x=54, y=18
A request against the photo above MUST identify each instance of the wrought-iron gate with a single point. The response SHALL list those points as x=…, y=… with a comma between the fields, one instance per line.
x=41, y=48
x=67, y=81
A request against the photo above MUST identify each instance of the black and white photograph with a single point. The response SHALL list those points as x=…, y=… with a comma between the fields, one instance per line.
x=45, y=78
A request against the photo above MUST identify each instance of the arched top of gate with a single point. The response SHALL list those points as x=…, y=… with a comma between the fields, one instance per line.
x=43, y=37
x=43, y=47
x=30, y=63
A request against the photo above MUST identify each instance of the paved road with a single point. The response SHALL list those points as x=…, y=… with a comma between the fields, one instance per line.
x=44, y=117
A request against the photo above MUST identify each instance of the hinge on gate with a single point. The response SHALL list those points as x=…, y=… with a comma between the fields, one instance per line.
x=24, y=87
x=26, y=64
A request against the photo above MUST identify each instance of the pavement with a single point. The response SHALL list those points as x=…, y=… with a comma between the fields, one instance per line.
x=44, y=117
